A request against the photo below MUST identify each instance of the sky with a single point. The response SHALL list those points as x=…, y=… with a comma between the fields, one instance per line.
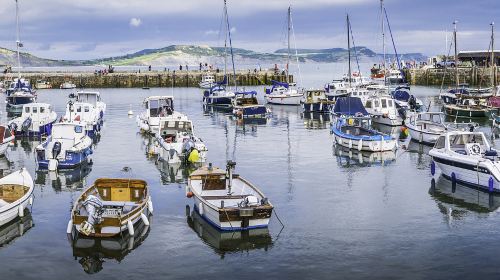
x=86, y=29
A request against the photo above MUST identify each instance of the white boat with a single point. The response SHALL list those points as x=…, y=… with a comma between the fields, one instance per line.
x=67, y=85
x=207, y=81
x=6, y=137
x=110, y=207
x=16, y=194
x=336, y=89
x=85, y=114
x=466, y=157
x=382, y=110
x=94, y=98
x=283, y=94
x=157, y=107
x=36, y=120
x=426, y=127
x=67, y=147
x=177, y=142
x=227, y=201
x=42, y=84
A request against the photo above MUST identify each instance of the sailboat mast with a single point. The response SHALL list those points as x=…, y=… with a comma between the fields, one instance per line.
x=383, y=38
x=225, y=42
x=288, y=37
x=349, y=49
x=230, y=44
x=18, y=42
x=492, y=54
x=456, y=56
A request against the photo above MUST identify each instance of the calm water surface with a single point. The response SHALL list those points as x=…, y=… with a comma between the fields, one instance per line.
x=346, y=215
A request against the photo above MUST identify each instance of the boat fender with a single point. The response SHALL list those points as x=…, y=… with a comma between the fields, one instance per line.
x=189, y=194
x=150, y=206
x=360, y=144
x=131, y=242
x=21, y=210
x=350, y=144
x=130, y=228
x=433, y=168
x=69, y=228
x=144, y=219
x=53, y=163
x=200, y=208
x=453, y=180
x=490, y=184
x=30, y=201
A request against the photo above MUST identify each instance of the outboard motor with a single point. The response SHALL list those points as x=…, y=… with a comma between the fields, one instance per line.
x=56, y=149
x=93, y=206
x=26, y=125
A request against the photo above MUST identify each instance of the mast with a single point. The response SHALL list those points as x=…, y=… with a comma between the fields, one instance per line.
x=456, y=56
x=492, y=54
x=383, y=37
x=18, y=42
x=288, y=37
x=349, y=49
x=225, y=42
x=230, y=43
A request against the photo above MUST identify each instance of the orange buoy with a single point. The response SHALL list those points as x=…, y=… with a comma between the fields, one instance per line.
x=189, y=194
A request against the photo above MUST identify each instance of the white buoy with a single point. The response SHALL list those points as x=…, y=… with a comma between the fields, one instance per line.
x=144, y=219
x=53, y=164
x=130, y=228
x=21, y=210
x=69, y=228
x=200, y=208
x=150, y=206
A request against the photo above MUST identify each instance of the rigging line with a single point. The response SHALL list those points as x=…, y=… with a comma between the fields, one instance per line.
x=230, y=46
x=296, y=52
x=355, y=52
x=445, y=66
x=394, y=45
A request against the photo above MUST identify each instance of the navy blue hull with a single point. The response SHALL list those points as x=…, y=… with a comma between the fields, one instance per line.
x=217, y=101
x=71, y=160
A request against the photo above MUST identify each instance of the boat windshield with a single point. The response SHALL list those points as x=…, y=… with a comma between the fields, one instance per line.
x=171, y=128
x=459, y=141
x=91, y=98
x=160, y=107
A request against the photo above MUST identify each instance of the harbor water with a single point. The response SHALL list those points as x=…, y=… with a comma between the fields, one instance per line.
x=346, y=215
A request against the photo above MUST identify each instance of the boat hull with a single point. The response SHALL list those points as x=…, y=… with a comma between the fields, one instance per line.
x=218, y=101
x=457, y=112
x=284, y=99
x=422, y=136
x=387, y=120
x=319, y=107
x=72, y=159
x=45, y=129
x=365, y=145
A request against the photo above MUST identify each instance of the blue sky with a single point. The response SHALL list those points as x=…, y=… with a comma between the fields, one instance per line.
x=80, y=29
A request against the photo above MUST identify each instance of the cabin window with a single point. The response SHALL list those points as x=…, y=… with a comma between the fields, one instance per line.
x=78, y=129
x=377, y=104
x=171, y=124
x=27, y=109
x=35, y=109
x=87, y=109
x=436, y=118
x=389, y=102
x=79, y=109
x=439, y=143
x=384, y=103
x=368, y=104
x=42, y=109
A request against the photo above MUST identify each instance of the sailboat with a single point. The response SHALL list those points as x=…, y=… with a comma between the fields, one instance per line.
x=21, y=91
x=285, y=93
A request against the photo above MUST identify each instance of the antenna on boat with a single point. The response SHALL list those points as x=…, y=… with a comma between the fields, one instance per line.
x=492, y=55
x=288, y=55
x=349, y=49
x=383, y=38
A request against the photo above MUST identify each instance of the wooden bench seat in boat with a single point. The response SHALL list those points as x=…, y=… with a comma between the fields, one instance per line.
x=10, y=193
x=213, y=197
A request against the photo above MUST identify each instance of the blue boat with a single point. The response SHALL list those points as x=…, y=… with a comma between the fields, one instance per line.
x=67, y=147
x=351, y=127
x=36, y=120
x=19, y=94
x=218, y=95
x=246, y=105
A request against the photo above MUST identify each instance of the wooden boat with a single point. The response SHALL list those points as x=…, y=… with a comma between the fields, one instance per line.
x=16, y=193
x=111, y=206
x=246, y=105
x=228, y=201
x=467, y=108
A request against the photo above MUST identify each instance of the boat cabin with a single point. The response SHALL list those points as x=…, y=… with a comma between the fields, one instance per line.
x=91, y=97
x=208, y=78
x=170, y=128
x=427, y=118
x=80, y=111
x=315, y=96
x=159, y=106
x=465, y=143
x=69, y=132
x=380, y=104
x=246, y=99
x=37, y=111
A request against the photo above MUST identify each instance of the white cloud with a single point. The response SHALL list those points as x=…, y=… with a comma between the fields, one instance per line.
x=233, y=29
x=135, y=22
x=211, y=32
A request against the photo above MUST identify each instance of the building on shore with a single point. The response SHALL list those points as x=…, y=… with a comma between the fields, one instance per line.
x=478, y=58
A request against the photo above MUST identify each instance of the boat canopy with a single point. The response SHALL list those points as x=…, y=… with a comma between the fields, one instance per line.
x=277, y=84
x=401, y=93
x=352, y=106
x=252, y=92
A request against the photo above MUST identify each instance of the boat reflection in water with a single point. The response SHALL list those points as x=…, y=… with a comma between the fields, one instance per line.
x=67, y=179
x=175, y=172
x=316, y=120
x=224, y=242
x=352, y=157
x=91, y=252
x=419, y=154
x=455, y=200
x=16, y=228
x=5, y=166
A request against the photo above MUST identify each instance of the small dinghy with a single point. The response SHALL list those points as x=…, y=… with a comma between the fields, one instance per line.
x=35, y=120
x=6, y=138
x=228, y=201
x=66, y=148
x=16, y=193
x=111, y=206
x=246, y=105
x=467, y=157
x=351, y=127
x=426, y=127
x=177, y=142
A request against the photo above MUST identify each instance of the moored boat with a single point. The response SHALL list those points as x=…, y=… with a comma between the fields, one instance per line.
x=157, y=107
x=467, y=108
x=226, y=200
x=67, y=85
x=94, y=98
x=382, y=110
x=426, y=127
x=246, y=105
x=86, y=114
x=207, y=81
x=42, y=84
x=36, y=120
x=316, y=101
x=283, y=93
x=16, y=194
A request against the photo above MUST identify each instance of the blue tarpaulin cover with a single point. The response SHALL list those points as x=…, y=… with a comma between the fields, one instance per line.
x=351, y=106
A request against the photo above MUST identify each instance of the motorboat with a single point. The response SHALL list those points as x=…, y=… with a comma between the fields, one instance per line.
x=467, y=108
x=246, y=105
x=18, y=94
x=336, y=89
x=207, y=81
x=226, y=200
x=42, y=84
x=36, y=120
x=110, y=207
x=382, y=110
x=361, y=93
x=16, y=194
x=218, y=95
x=351, y=128
x=157, y=107
x=94, y=98
x=316, y=101
x=85, y=114
x=6, y=138
x=426, y=127
x=406, y=101
x=177, y=142
x=282, y=93
x=67, y=85
x=395, y=77
x=466, y=157
x=67, y=147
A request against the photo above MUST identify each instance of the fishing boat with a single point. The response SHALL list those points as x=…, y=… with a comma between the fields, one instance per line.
x=85, y=114
x=67, y=85
x=42, y=84
x=246, y=105
x=466, y=157
x=36, y=120
x=94, y=98
x=16, y=194
x=316, y=101
x=157, y=107
x=67, y=147
x=382, y=110
x=177, y=142
x=226, y=200
x=426, y=127
x=110, y=207
x=207, y=81
x=6, y=138
x=467, y=108
x=351, y=128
